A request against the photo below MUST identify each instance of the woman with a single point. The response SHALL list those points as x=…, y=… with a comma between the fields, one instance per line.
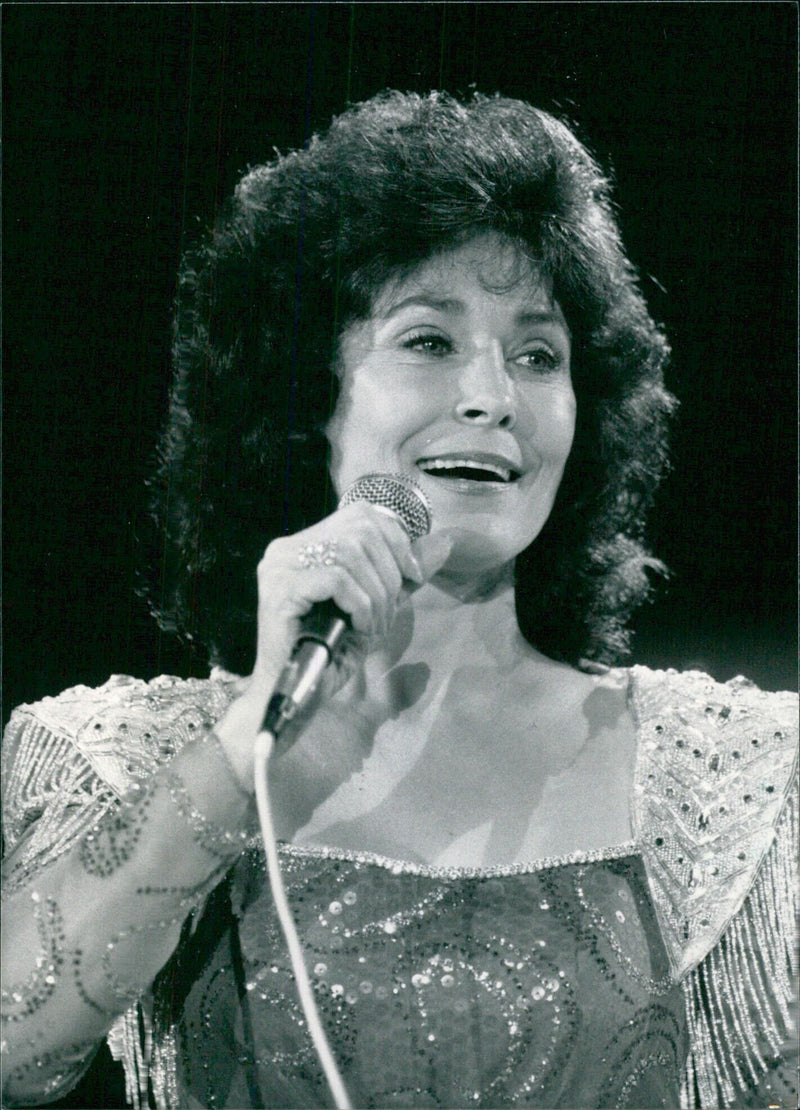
x=519, y=876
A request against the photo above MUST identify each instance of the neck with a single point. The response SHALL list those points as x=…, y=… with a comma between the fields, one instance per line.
x=452, y=621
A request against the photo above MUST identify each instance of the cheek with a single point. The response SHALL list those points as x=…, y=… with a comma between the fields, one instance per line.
x=550, y=420
x=372, y=419
x=565, y=423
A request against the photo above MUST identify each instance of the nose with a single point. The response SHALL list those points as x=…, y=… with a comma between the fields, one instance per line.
x=487, y=397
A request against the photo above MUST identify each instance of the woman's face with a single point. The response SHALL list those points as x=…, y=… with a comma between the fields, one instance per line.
x=460, y=377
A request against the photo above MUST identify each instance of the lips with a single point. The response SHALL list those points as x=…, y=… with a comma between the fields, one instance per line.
x=474, y=466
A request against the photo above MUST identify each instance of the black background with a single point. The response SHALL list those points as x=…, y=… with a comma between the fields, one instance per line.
x=125, y=125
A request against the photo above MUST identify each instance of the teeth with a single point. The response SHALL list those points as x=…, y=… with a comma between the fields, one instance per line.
x=432, y=465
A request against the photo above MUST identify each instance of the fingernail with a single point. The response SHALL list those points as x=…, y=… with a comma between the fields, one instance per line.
x=413, y=569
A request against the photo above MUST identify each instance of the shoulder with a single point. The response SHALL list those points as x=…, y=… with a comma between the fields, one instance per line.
x=123, y=729
x=694, y=694
x=66, y=760
x=716, y=765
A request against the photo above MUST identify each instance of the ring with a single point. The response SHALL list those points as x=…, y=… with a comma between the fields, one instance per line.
x=317, y=554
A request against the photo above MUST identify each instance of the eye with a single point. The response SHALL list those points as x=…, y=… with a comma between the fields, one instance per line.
x=430, y=342
x=541, y=358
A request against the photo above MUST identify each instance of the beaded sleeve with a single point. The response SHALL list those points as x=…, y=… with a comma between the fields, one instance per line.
x=716, y=817
x=107, y=850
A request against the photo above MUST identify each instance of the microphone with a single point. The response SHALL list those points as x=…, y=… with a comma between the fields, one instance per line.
x=325, y=625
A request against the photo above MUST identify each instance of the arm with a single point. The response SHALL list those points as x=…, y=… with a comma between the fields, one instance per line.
x=95, y=910
x=85, y=934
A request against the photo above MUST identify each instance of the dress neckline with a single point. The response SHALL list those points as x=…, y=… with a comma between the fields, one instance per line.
x=398, y=866
x=436, y=871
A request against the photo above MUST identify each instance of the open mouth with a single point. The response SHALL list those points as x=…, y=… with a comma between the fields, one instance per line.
x=473, y=470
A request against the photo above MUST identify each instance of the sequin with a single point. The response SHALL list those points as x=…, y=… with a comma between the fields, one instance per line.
x=502, y=945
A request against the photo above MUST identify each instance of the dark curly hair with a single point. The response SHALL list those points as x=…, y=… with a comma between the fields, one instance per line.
x=299, y=253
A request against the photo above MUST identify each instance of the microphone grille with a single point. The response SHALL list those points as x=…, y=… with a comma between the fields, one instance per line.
x=398, y=493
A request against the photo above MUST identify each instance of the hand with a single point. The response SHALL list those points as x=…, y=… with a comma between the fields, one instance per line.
x=370, y=561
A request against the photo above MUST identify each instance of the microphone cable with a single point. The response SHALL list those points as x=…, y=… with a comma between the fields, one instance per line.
x=264, y=747
x=400, y=497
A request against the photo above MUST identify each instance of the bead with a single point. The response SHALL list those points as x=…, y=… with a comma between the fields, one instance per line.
x=217, y=841
x=22, y=1000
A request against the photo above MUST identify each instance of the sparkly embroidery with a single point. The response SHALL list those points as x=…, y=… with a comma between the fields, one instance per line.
x=715, y=766
x=51, y=797
x=621, y=937
x=61, y=772
x=49, y=1073
x=77, y=974
x=653, y=1039
x=406, y=867
x=484, y=997
x=127, y=992
x=26, y=998
x=491, y=988
x=716, y=806
x=216, y=841
x=106, y=848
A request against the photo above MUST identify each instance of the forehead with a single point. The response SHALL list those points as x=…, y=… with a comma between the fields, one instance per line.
x=487, y=263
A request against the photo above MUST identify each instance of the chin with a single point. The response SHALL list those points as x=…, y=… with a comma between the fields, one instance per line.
x=476, y=553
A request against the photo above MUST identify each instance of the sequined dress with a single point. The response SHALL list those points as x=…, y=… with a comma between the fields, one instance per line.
x=651, y=974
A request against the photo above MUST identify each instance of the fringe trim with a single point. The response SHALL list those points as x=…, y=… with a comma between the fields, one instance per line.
x=164, y=1074
x=148, y=1060
x=737, y=1000
x=50, y=793
x=130, y=1041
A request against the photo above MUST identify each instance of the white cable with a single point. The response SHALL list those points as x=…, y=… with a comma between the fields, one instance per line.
x=265, y=743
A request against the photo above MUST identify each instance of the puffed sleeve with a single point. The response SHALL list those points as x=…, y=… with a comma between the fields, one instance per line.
x=105, y=791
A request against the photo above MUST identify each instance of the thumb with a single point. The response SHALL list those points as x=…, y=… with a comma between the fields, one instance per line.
x=432, y=552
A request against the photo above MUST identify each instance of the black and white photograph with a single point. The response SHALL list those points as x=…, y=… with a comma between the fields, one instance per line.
x=400, y=555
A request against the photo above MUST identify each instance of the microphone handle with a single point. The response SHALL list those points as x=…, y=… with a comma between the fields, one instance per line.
x=325, y=625
x=324, y=622
x=319, y=639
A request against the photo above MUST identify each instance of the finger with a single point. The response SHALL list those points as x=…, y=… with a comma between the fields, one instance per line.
x=370, y=564
x=383, y=540
x=398, y=543
x=336, y=583
x=432, y=552
x=384, y=562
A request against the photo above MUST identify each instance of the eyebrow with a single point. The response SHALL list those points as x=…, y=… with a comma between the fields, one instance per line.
x=423, y=300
